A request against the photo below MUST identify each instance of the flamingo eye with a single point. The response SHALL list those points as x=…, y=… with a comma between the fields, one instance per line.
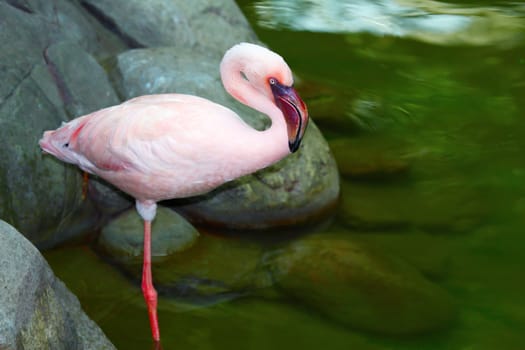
x=65, y=145
x=272, y=81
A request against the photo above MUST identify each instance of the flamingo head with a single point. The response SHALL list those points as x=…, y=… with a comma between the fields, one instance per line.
x=267, y=74
x=59, y=142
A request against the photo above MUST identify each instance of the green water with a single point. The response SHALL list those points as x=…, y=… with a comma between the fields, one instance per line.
x=450, y=106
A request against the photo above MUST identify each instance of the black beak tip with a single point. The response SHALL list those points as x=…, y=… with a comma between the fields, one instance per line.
x=294, y=146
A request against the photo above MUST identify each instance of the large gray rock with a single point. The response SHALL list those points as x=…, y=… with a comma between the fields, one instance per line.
x=217, y=25
x=31, y=26
x=26, y=184
x=157, y=23
x=82, y=90
x=36, y=310
x=40, y=85
x=298, y=189
x=143, y=23
x=29, y=182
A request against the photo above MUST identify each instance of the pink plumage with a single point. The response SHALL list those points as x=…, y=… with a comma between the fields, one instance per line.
x=158, y=147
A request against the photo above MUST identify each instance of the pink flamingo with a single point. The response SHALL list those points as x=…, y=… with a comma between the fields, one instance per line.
x=159, y=147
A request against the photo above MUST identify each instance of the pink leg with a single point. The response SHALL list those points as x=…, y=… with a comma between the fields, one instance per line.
x=85, y=184
x=150, y=294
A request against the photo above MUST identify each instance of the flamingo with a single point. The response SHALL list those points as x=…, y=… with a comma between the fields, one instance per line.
x=158, y=147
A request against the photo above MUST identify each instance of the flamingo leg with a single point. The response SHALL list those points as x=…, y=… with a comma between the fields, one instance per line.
x=150, y=294
x=85, y=180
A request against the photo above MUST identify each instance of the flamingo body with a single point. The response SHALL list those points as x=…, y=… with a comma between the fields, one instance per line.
x=158, y=147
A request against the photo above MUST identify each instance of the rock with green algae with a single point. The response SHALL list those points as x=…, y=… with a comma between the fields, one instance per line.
x=358, y=287
x=36, y=310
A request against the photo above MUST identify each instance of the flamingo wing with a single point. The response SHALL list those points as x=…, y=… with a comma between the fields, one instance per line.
x=153, y=133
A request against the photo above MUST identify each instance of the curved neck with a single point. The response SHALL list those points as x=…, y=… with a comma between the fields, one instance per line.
x=268, y=146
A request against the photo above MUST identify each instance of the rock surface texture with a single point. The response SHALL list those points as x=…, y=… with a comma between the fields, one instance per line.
x=37, y=311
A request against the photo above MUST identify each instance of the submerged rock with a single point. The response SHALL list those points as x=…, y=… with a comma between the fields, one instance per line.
x=210, y=269
x=406, y=206
x=214, y=269
x=36, y=310
x=368, y=159
x=361, y=288
x=301, y=188
x=431, y=254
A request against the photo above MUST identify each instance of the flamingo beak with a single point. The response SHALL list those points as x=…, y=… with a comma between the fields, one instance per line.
x=294, y=111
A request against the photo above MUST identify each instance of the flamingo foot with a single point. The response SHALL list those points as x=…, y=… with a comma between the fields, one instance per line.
x=150, y=295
